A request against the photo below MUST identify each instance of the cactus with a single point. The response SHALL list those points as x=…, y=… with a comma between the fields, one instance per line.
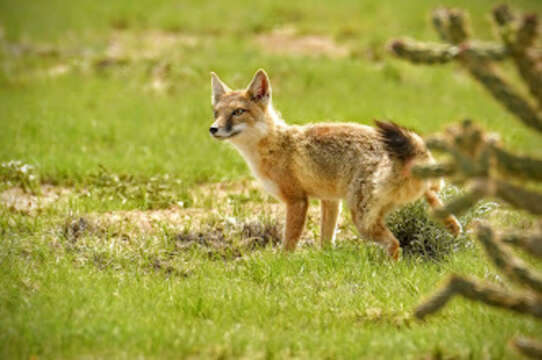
x=478, y=161
x=518, y=38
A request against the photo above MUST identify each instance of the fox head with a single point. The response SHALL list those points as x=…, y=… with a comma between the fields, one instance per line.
x=244, y=114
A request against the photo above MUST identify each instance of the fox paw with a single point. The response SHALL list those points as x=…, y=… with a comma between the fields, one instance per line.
x=453, y=225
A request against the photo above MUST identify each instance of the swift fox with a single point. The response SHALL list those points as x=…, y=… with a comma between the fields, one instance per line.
x=368, y=167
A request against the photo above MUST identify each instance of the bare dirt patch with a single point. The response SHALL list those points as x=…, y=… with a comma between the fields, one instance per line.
x=18, y=199
x=227, y=215
x=133, y=222
x=286, y=41
x=225, y=203
x=129, y=45
x=120, y=47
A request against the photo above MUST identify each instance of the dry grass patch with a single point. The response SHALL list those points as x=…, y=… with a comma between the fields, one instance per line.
x=152, y=44
x=136, y=222
x=119, y=47
x=226, y=218
x=17, y=199
x=286, y=41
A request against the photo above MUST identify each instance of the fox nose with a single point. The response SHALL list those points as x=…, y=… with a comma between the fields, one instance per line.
x=213, y=130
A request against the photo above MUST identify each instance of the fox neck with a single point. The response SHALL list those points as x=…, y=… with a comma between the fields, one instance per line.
x=253, y=151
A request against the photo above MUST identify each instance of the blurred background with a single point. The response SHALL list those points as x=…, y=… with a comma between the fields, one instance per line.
x=124, y=85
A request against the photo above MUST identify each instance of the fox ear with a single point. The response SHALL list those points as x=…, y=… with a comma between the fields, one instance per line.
x=219, y=88
x=260, y=88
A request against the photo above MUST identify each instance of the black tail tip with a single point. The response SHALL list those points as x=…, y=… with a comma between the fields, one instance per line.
x=396, y=139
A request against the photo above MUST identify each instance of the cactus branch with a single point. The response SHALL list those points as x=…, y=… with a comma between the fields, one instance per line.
x=434, y=171
x=486, y=293
x=528, y=347
x=485, y=52
x=458, y=28
x=518, y=166
x=463, y=162
x=461, y=204
x=438, y=144
x=529, y=67
x=422, y=53
x=504, y=94
x=452, y=27
x=440, y=22
x=520, y=46
x=519, y=197
x=512, y=266
x=427, y=53
x=532, y=243
x=502, y=15
x=527, y=32
x=475, y=158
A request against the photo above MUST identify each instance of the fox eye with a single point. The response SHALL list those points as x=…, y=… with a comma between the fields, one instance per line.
x=215, y=113
x=238, y=112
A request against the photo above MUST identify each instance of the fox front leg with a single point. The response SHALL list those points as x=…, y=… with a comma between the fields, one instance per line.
x=296, y=213
x=329, y=214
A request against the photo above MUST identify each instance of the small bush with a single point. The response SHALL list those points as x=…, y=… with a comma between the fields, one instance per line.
x=422, y=235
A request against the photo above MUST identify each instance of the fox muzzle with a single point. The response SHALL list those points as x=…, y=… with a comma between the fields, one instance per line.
x=222, y=133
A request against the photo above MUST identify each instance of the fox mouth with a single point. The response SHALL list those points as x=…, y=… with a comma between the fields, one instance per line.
x=228, y=136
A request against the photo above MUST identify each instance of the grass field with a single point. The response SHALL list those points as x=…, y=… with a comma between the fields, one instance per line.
x=134, y=235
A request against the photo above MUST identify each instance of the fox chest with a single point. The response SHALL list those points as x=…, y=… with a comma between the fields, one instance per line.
x=260, y=168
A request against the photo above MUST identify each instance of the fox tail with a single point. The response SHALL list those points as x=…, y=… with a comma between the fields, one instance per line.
x=398, y=141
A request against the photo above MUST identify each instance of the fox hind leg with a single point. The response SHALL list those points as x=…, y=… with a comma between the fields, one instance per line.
x=330, y=210
x=382, y=235
x=377, y=231
x=450, y=222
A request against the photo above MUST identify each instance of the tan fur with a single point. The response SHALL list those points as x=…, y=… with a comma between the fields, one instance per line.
x=330, y=213
x=331, y=162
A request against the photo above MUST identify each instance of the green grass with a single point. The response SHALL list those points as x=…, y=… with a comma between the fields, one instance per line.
x=90, y=299
x=100, y=131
